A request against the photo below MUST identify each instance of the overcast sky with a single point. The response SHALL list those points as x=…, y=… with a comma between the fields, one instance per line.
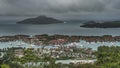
x=62, y=8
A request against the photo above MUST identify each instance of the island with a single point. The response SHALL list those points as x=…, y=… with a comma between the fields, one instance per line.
x=40, y=20
x=107, y=24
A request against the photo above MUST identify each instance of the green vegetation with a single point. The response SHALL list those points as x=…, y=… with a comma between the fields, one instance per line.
x=108, y=57
x=40, y=20
x=12, y=59
x=93, y=24
x=5, y=66
x=29, y=56
x=8, y=60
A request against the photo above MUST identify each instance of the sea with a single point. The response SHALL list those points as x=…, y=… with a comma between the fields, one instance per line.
x=8, y=27
x=67, y=28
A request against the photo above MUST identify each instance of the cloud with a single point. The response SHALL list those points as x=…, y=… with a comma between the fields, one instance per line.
x=59, y=7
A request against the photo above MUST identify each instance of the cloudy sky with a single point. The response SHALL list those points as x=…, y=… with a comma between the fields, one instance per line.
x=62, y=8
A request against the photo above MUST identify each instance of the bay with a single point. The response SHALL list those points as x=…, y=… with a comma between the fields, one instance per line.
x=8, y=27
x=72, y=28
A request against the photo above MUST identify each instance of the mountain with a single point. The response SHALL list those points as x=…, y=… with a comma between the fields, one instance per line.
x=40, y=20
x=108, y=24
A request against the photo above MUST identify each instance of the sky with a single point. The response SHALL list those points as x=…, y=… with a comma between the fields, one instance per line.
x=88, y=9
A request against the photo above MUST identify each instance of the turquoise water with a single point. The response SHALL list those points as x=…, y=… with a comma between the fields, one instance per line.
x=81, y=44
x=94, y=45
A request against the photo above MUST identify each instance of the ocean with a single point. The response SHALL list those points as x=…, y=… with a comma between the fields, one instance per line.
x=71, y=28
x=8, y=27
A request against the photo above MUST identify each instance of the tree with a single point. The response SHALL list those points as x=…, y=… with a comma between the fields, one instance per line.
x=5, y=66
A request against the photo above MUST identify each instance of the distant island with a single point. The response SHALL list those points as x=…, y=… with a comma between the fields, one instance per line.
x=40, y=20
x=108, y=24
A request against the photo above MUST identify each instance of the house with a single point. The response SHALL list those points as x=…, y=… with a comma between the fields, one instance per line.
x=19, y=53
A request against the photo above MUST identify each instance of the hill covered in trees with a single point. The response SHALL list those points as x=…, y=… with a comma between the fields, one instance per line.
x=108, y=57
x=93, y=24
x=40, y=20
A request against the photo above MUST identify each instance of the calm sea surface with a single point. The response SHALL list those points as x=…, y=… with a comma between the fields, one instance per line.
x=8, y=27
x=64, y=28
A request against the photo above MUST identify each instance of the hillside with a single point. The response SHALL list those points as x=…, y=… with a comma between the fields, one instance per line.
x=40, y=20
x=109, y=24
